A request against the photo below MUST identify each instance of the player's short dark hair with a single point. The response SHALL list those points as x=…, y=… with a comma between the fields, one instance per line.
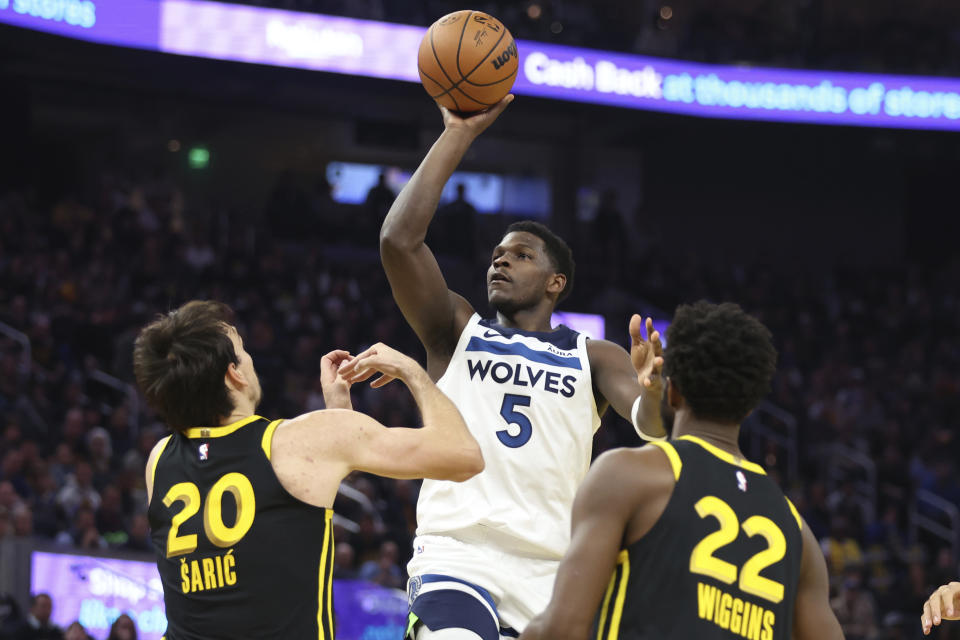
x=558, y=251
x=721, y=360
x=179, y=361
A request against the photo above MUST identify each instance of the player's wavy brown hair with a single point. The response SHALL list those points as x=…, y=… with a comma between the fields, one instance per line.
x=180, y=360
x=720, y=359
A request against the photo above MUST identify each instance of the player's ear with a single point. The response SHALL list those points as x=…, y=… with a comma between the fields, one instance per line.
x=556, y=283
x=234, y=378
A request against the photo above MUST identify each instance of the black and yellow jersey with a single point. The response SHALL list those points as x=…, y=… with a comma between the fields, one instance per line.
x=722, y=562
x=239, y=557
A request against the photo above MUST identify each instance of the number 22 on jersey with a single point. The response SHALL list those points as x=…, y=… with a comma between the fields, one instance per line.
x=213, y=525
x=703, y=561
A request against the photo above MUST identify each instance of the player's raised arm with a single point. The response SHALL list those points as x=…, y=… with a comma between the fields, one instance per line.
x=813, y=619
x=442, y=449
x=631, y=383
x=435, y=314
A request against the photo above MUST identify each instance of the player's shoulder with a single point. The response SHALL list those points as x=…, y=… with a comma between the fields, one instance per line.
x=156, y=452
x=317, y=425
x=600, y=351
x=152, y=460
x=641, y=470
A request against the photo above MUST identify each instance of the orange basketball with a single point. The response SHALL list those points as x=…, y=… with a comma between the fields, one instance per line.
x=468, y=61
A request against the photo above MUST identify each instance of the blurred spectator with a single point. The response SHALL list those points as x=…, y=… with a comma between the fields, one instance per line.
x=11, y=618
x=110, y=517
x=384, y=570
x=855, y=607
x=379, y=199
x=101, y=456
x=37, y=625
x=9, y=500
x=76, y=632
x=839, y=547
x=23, y=521
x=123, y=628
x=78, y=490
x=455, y=227
x=343, y=562
x=139, y=538
x=83, y=534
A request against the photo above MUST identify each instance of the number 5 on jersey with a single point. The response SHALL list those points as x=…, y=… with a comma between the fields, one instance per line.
x=213, y=526
x=512, y=416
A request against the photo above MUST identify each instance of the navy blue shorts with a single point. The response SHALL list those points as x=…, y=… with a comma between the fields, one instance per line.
x=445, y=602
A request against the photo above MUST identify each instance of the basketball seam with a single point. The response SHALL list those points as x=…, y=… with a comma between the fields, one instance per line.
x=460, y=42
x=457, y=86
x=440, y=64
x=490, y=84
x=486, y=104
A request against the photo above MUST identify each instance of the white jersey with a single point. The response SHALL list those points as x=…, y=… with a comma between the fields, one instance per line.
x=527, y=397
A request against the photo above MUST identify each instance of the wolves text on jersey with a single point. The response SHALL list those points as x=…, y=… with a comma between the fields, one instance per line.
x=523, y=375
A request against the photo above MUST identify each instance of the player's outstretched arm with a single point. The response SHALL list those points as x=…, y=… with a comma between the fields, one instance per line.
x=813, y=619
x=442, y=449
x=601, y=511
x=623, y=378
x=435, y=314
x=943, y=604
x=312, y=453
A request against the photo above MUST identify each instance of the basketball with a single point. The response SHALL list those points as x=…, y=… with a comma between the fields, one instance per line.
x=468, y=61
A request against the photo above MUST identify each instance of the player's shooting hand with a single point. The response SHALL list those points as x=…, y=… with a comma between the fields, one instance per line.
x=380, y=358
x=474, y=123
x=943, y=604
x=647, y=356
x=336, y=388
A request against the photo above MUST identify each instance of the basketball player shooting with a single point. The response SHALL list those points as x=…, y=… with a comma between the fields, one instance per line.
x=687, y=539
x=487, y=550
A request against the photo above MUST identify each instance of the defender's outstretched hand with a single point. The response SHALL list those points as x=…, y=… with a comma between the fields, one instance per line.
x=943, y=604
x=647, y=355
x=336, y=389
x=474, y=123
x=380, y=358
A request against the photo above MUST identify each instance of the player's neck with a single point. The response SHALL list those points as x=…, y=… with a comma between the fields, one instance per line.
x=243, y=407
x=536, y=319
x=722, y=436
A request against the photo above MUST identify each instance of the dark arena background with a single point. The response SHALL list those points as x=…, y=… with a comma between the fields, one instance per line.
x=798, y=158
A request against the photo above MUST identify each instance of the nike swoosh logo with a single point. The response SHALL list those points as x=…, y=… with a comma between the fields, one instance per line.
x=489, y=334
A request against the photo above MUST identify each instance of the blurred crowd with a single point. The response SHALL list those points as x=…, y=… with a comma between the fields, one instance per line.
x=869, y=363
x=860, y=35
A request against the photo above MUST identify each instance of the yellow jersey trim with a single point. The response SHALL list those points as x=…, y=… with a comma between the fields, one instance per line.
x=672, y=455
x=624, y=560
x=219, y=432
x=156, y=461
x=330, y=575
x=726, y=456
x=606, y=604
x=325, y=586
x=796, y=514
x=267, y=441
